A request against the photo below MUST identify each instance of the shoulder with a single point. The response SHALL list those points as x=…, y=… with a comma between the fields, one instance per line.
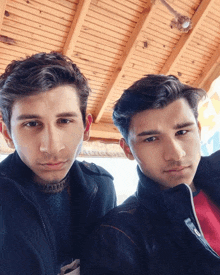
x=123, y=224
x=98, y=184
x=123, y=216
x=209, y=166
x=93, y=169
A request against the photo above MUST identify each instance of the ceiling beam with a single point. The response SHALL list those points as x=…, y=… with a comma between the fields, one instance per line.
x=2, y=11
x=105, y=131
x=186, y=38
x=215, y=74
x=125, y=59
x=76, y=26
x=210, y=72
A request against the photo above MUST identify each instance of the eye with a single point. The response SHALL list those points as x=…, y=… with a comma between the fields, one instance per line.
x=181, y=132
x=150, y=139
x=32, y=124
x=64, y=121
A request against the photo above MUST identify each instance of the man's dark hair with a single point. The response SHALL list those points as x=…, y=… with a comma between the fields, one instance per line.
x=40, y=73
x=153, y=92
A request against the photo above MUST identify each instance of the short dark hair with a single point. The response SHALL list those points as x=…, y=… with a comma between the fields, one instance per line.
x=40, y=73
x=152, y=92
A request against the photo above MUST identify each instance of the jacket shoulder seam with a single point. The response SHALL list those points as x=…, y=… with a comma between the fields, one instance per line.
x=113, y=227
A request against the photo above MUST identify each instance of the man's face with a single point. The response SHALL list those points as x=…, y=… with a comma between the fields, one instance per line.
x=166, y=144
x=47, y=131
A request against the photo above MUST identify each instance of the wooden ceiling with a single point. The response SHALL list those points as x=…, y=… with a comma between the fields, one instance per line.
x=114, y=43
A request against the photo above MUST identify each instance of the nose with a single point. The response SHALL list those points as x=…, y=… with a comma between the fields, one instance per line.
x=173, y=151
x=51, y=141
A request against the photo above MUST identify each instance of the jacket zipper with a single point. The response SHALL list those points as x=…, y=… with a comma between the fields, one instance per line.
x=196, y=219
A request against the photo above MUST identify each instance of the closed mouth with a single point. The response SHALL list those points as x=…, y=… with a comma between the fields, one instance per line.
x=53, y=165
x=176, y=169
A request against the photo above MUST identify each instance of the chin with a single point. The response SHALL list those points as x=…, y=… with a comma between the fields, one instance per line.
x=49, y=180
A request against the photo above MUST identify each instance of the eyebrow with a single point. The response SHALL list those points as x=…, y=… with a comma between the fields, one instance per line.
x=148, y=133
x=183, y=125
x=176, y=127
x=33, y=116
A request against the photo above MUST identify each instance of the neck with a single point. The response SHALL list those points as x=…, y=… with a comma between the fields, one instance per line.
x=54, y=187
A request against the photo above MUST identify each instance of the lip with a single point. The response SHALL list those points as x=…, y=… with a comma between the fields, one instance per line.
x=54, y=165
x=177, y=170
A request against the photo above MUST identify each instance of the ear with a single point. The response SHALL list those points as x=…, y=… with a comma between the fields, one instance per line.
x=126, y=149
x=6, y=135
x=200, y=128
x=89, y=121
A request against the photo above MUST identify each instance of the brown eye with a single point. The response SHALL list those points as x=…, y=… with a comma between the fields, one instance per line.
x=182, y=132
x=64, y=121
x=32, y=124
x=150, y=139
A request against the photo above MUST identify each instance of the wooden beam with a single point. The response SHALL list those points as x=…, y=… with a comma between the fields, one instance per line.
x=215, y=74
x=76, y=26
x=210, y=73
x=186, y=38
x=125, y=58
x=105, y=131
x=2, y=11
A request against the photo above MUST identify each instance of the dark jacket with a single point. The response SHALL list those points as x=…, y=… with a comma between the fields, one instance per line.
x=27, y=240
x=156, y=232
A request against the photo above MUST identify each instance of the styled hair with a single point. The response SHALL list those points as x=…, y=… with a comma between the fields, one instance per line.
x=37, y=74
x=152, y=92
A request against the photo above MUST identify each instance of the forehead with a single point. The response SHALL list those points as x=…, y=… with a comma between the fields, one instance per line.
x=57, y=100
x=175, y=113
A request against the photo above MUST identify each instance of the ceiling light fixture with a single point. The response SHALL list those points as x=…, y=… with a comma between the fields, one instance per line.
x=181, y=22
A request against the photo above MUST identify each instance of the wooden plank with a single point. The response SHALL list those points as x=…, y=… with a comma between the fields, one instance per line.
x=76, y=26
x=101, y=43
x=13, y=20
x=206, y=76
x=97, y=58
x=96, y=35
x=128, y=52
x=156, y=43
x=94, y=70
x=2, y=11
x=65, y=3
x=61, y=7
x=108, y=26
x=33, y=46
x=207, y=47
x=202, y=37
x=212, y=29
x=197, y=20
x=92, y=63
x=154, y=58
x=32, y=36
x=96, y=47
x=102, y=29
x=157, y=33
x=50, y=15
x=33, y=30
x=197, y=65
x=17, y=50
x=193, y=53
x=199, y=51
x=29, y=42
x=112, y=18
x=94, y=58
x=37, y=19
x=117, y=9
x=155, y=50
x=125, y=6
